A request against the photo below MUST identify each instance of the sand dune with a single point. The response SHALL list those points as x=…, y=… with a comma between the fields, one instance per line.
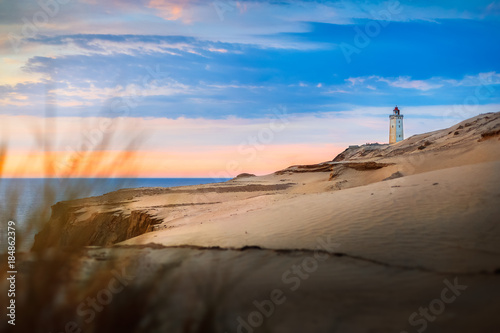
x=382, y=231
x=468, y=143
x=422, y=220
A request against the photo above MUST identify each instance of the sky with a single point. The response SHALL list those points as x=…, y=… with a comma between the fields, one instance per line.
x=157, y=88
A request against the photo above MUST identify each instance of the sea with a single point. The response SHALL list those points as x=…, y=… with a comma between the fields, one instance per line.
x=24, y=200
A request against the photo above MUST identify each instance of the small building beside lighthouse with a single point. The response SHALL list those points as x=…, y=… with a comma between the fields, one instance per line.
x=396, y=126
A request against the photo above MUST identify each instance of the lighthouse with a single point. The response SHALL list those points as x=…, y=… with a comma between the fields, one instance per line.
x=396, y=129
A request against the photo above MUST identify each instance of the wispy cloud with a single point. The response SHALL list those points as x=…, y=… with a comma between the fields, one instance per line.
x=170, y=10
x=481, y=79
x=259, y=55
x=408, y=83
x=433, y=83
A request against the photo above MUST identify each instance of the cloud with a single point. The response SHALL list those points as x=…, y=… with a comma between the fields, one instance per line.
x=433, y=83
x=246, y=22
x=493, y=8
x=129, y=44
x=205, y=147
x=404, y=82
x=259, y=54
x=348, y=126
x=356, y=80
x=481, y=79
x=170, y=9
x=408, y=83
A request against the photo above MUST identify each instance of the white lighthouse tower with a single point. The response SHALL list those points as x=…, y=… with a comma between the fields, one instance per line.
x=396, y=129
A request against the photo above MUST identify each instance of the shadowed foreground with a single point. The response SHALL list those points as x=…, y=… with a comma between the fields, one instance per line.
x=155, y=289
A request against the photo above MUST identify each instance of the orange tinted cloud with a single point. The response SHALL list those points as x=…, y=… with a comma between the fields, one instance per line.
x=168, y=9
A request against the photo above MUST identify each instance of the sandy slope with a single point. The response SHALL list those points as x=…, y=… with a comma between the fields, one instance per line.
x=345, y=198
x=444, y=220
x=441, y=215
x=375, y=251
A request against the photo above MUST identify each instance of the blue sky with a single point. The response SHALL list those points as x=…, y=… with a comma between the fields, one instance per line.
x=240, y=60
